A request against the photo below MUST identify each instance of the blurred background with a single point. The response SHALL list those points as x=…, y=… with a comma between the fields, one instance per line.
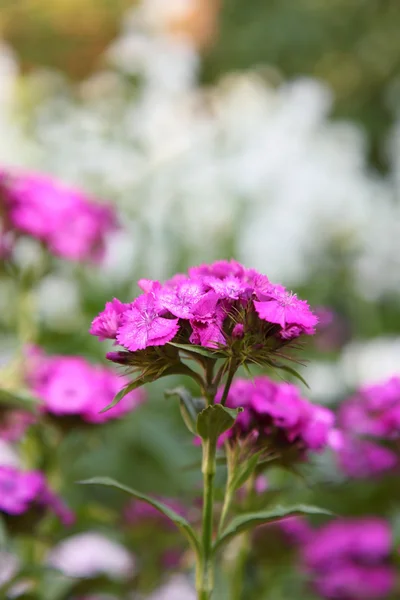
x=262, y=130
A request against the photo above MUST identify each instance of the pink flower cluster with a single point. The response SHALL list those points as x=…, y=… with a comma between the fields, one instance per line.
x=214, y=305
x=373, y=412
x=70, y=385
x=277, y=412
x=138, y=513
x=67, y=221
x=349, y=559
x=22, y=490
x=14, y=423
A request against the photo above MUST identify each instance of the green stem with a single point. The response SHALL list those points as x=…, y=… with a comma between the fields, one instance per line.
x=239, y=569
x=238, y=573
x=232, y=458
x=231, y=373
x=225, y=508
x=205, y=567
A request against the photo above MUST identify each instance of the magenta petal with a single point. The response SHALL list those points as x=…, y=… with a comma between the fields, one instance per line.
x=106, y=324
x=143, y=328
x=271, y=311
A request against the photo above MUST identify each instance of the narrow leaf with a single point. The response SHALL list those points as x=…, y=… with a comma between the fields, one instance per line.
x=179, y=521
x=250, y=520
x=193, y=348
x=244, y=471
x=126, y=390
x=187, y=407
x=292, y=372
x=214, y=420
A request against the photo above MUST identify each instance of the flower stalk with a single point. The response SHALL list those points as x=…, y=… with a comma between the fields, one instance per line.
x=205, y=568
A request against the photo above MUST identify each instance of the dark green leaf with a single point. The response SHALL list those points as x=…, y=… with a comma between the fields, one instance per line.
x=181, y=523
x=214, y=420
x=293, y=372
x=126, y=390
x=250, y=520
x=193, y=348
x=244, y=471
x=187, y=406
x=3, y=534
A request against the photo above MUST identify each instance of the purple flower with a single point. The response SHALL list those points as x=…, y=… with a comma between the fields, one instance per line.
x=349, y=559
x=14, y=423
x=296, y=529
x=19, y=489
x=285, y=309
x=144, y=326
x=220, y=269
x=182, y=299
x=106, y=324
x=70, y=223
x=138, y=513
x=277, y=411
x=70, y=385
x=374, y=412
x=230, y=287
x=218, y=306
x=362, y=458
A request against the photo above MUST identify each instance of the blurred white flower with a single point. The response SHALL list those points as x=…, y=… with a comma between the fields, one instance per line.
x=325, y=381
x=91, y=554
x=58, y=301
x=8, y=458
x=177, y=588
x=14, y=147
x=240, y=165
x=370, y=361
x=9, y=565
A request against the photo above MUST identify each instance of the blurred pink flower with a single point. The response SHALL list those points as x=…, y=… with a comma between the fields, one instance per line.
x=22, y=490
x=66, y=220
x=69, y=385
x=349, y=559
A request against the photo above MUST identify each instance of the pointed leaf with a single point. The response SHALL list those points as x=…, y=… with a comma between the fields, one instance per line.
x=125, y=390
x=292, y=372
x=244, y=471
x=193, y=348
x=3, y=533
x=250, y=520
x=187, y=407
x=179, y=521
x=214, y=420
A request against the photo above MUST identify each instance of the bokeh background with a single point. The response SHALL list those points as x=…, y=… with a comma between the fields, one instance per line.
x=267, y=131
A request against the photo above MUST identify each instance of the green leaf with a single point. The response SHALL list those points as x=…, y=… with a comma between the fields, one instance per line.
x=21, y=400
x=179, y=521
x=187, y=405
x=244, y=471
x=3, y=533
x=293, y=372
x=214, y=420
x=250, y=520
x=126, y=390
x=193, y=348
